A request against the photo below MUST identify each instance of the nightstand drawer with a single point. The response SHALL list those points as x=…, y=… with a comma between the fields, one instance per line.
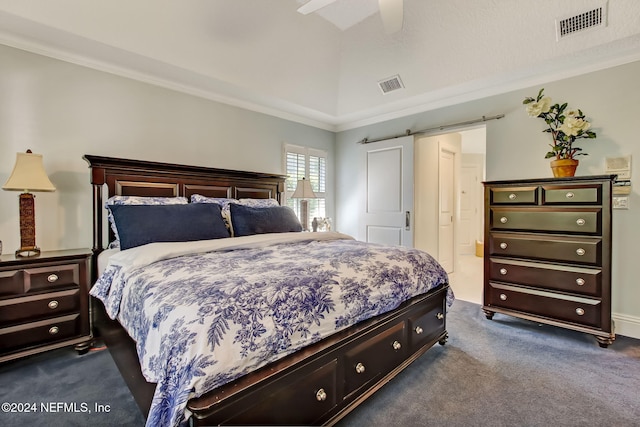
x=583, y=311
x=36, y=279
x=39, y=306
x=38, y=333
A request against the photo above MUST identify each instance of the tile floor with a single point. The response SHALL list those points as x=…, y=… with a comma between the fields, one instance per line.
x=466, y=281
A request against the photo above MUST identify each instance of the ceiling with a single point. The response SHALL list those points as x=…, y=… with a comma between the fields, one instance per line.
x=323, y=69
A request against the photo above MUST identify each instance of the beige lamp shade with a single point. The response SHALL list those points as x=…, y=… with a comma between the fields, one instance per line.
x=303, y=190
x=29, y=174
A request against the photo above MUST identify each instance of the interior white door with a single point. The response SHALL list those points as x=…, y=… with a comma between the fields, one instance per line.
x=387, y=182
x=446, y=215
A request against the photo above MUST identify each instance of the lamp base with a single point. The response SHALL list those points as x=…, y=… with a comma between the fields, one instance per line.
x=28, y=246
x=27, y=252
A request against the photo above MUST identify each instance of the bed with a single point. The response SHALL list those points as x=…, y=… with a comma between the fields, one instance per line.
x=278, y=328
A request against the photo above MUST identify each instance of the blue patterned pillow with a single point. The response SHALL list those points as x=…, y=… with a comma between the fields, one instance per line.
x=136, y=200
x=141, y=224
x=247, y=220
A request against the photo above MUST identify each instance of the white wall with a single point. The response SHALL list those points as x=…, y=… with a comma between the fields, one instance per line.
x=64, y=111
x=516, y=147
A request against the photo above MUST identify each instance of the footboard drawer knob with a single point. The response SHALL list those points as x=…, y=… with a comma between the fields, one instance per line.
x=396, y=345
x=321, y=395
x=418, y=330
x=439, y=316
x=360, y=368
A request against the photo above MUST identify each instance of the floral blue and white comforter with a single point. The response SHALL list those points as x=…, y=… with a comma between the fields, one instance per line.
x=204, y=313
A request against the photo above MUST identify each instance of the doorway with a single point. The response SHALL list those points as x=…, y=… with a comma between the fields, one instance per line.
x=449, y=170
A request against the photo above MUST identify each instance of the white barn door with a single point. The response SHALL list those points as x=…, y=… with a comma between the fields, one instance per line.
x=386, y=212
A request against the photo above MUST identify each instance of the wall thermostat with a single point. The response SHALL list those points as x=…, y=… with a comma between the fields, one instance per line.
x=620, y=166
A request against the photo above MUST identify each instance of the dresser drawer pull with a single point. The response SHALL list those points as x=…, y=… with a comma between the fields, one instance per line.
x=360, y=368
x=503, y=271
x=513, y=196
x=53, y=330
x=52, y=278
x=569, y=195
x=396, y=345
x=503, y=297
x=580, y=311
x=580, y=251
x=321, y=395
x=504, y=220
x=53, y=304
x=580, y=281
x=503, y=245
x=418, y=330
x=439, y=316
x=581, y=222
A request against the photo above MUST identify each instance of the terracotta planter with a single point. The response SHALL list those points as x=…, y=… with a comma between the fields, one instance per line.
x=564, y=167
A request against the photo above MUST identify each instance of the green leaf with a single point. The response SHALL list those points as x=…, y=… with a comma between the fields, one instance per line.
x=540, y=94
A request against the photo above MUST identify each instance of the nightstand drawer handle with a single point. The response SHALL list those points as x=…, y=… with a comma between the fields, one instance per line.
x=503, y=297
x=570, y=195
x=418, y=330
x=54, y=330
x=503, y=245
x=580, y=281
x=580, y=251
x=503, y=271
x=52, y=278
x=504, y=220
x=396, y=345
x=581, y=222
x=513, y=196
x=439, y=316
x=580, y=311
x=360, y=368
x=321, y=395
x=53, y=304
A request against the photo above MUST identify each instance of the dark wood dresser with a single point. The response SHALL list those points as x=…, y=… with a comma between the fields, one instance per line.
x=44, y=303
x=547, y=255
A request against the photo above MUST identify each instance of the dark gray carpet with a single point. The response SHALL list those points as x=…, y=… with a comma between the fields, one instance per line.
x=501, y=372
x=69, y=384
x=511, y=372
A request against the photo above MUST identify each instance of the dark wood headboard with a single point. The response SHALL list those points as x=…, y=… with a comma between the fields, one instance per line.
x=127, y=177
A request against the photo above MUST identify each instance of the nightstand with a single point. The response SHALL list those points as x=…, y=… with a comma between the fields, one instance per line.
x=44, y=303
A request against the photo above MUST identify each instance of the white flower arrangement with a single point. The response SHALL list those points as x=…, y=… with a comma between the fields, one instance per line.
x=564, y=128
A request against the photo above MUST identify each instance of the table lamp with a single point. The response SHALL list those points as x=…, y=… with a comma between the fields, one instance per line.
x=28, y=175
x=304, y=192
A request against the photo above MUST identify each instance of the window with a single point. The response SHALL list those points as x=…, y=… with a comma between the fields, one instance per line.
x=303, y=162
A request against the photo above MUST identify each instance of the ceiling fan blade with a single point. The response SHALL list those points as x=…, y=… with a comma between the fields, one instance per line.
x=392, y=14
x=313, y=5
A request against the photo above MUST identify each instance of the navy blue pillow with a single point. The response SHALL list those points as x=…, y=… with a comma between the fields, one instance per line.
x=141, y=224
x=246, y=220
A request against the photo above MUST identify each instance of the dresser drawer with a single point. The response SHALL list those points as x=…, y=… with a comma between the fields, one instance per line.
x=38, y=306
x=580, y=250
x=374, y=358
x=580, y=220
x=40, y=332
x=579, y=280
x=572, y=194
x=584, y=311
x=514, y=195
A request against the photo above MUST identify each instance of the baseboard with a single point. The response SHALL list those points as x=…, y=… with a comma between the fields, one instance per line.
x=626, y=325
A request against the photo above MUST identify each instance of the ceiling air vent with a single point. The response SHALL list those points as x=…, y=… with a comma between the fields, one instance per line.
x=390, y=84
x=584, y=21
